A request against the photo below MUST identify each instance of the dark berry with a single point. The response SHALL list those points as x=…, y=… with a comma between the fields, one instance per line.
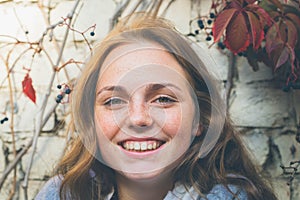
x=221, y=45
x=197, y=32
x=92, y=33
x=3, y=120
x=58, y=86
x=201, y=26
x=209, y=21
x=26, y=32
x=59, y=98
x=240, y=54
x=208, y=38
x=68, y=91
x=212, y=15
x=211, y=33
x=200, y=22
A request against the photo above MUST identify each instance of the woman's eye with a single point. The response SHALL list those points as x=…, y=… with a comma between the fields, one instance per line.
x=164, y=100
x=114, y=101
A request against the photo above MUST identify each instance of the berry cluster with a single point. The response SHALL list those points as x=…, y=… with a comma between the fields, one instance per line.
x=204, y=23
x=3, y=120
x=65, y=91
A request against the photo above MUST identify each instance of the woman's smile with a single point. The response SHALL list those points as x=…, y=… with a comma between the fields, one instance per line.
x=141, y=146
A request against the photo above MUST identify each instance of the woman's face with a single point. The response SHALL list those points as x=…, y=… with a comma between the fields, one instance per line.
x=144, y=111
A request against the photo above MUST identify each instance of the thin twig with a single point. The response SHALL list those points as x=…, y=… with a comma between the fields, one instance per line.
x=11, y=100
x=24, y=149
x=45, y=100
x=119, y=12
x=167, y=7
x=155, y=13
x=230, y=75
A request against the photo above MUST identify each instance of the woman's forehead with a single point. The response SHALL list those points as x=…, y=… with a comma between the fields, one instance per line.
x=135, y=65
x=142, y=59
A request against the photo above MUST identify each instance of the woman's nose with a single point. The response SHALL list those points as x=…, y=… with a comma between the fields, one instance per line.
x=139, y=115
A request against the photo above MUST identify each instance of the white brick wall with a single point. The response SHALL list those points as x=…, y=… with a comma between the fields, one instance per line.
x=259, y=109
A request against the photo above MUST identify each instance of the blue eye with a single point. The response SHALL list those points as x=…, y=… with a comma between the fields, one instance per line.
x=114, y=101
x=164, y=100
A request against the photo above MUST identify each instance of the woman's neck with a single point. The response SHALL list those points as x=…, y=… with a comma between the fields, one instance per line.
x=144, y=189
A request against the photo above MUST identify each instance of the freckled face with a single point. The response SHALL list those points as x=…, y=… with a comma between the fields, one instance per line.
x=144, y=111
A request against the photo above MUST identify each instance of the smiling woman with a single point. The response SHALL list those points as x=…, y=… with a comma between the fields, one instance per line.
x=150, y=124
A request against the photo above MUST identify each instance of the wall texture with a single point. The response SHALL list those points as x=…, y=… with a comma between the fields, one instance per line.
x=266, y=116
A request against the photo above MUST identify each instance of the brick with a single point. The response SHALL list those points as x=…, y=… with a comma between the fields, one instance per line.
x=257, y=143
x=26, y=113
x=247, y=75
x=284, y=144
x=281, y=189
x=48, y=152
x=258, y=107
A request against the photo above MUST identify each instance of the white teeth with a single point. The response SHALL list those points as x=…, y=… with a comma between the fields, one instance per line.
x=141, y=146
x=137, y=146
x=154, y=145
x=131, y=146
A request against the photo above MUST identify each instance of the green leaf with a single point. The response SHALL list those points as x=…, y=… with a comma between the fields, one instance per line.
x=222, y=22
x=237, y=35
x=277, y=4
x=257, y=32
x=291, y=9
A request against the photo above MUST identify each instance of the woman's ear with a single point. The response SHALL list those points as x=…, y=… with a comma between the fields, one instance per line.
x=199, y=130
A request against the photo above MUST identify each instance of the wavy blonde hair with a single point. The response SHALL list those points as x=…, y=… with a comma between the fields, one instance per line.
x=226, y=163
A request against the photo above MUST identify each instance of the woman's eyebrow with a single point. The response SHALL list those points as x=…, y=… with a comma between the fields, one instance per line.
x=158, y=86
x=114, y=88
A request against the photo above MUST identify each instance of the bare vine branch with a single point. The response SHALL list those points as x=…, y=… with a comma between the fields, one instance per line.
x=40, y=123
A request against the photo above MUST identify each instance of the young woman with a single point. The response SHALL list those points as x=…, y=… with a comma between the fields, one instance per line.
x=150, y=124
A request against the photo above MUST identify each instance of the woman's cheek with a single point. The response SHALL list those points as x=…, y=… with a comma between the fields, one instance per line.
x=172, y=123
x=106, y=124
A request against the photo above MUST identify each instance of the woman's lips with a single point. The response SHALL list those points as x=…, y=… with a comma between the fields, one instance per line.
x=141, y=146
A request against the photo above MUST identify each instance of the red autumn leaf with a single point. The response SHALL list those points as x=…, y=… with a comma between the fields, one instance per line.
x=28, y=89
x=257, y=32
x=282, y=31
x=222, y=22
x=273, y=40
x=294, y=18
x=237, y=35
x=292, y=35
x=263, y=15
x=283, y=57
x=238, y=4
